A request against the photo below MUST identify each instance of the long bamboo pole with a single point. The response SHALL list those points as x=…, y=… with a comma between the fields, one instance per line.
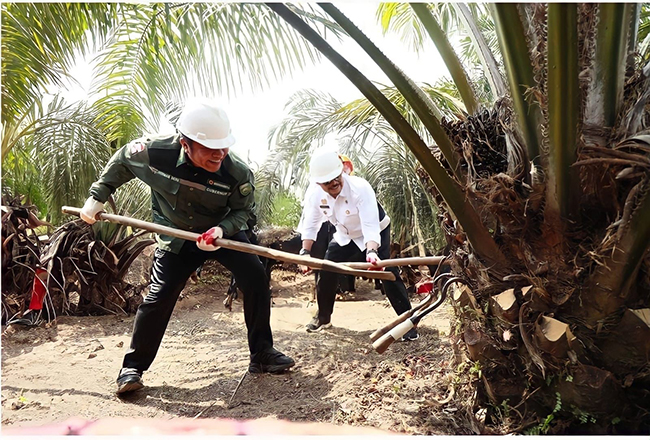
x=314, y=263
x=411, y=261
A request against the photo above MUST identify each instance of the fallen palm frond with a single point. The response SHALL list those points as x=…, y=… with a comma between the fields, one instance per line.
x=20, y=255
x=86, y=276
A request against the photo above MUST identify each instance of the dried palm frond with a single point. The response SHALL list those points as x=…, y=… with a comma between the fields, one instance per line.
x=20, y=255
x=86, y=276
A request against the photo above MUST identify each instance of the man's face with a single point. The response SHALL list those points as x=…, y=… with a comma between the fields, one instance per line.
x=334, y=186
x=203, y=157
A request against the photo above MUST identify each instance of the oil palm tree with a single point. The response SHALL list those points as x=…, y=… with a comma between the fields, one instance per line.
x=549, y=186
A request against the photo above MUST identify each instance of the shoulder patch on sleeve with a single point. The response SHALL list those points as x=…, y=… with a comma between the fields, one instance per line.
x=136, y=147
x=245, y=189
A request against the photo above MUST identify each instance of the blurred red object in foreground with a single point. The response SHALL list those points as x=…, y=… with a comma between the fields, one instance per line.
x=257, y=427
x=424, y=286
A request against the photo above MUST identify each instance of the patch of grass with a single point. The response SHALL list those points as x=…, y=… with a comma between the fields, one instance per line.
x=286, y=211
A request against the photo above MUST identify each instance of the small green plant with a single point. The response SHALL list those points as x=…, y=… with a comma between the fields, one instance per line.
x=558, y=403
x=544, y=426
x=476, y=369
x=502, y=411
x=582, y=416
x=461, y=367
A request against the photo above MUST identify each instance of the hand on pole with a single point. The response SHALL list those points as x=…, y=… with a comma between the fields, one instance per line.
x=373, y=258
x=90, y=210
x=205, y=241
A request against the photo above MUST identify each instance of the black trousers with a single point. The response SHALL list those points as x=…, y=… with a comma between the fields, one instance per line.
x=318, y=250
x=170, y=272
x=326, y=291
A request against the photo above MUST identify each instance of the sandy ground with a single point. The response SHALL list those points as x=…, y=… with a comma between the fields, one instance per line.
x=68, y=370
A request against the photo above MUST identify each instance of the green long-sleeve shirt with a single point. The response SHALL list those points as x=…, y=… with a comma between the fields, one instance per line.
x=183, y=196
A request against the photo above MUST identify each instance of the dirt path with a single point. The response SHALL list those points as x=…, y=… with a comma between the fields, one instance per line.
x=52, y=374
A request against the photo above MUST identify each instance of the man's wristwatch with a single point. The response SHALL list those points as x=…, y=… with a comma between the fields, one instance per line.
x=304, y=251
x=371, y=251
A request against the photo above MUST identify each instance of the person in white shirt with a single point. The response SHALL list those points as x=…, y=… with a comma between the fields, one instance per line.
x=324, y=236
x=362, y=232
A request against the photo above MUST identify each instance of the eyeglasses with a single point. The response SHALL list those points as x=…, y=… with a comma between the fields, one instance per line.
x=336, y=179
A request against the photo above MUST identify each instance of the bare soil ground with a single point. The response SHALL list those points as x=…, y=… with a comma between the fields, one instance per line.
x=54, y=373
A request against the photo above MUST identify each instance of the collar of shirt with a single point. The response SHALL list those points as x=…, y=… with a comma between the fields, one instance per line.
x=182, y=158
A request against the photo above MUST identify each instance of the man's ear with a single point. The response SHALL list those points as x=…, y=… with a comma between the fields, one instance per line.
x=185, y=145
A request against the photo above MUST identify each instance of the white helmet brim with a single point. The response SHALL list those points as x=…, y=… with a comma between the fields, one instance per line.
x=213, y=144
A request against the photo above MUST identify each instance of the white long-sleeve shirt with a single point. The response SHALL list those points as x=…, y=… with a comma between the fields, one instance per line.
x=313, y=187
x=353, y=212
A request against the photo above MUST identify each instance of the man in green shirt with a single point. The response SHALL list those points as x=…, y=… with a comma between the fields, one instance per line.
x=196, y=186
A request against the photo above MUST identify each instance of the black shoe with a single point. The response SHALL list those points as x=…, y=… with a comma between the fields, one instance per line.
x=270, y=361
x=317, y=325
x=31, y=318
x=129, y=380
x=411, y=335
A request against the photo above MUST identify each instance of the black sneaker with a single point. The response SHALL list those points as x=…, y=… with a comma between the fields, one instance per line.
x=317, y=325
x=129, y=380
x=411, y=335
x=270, y=361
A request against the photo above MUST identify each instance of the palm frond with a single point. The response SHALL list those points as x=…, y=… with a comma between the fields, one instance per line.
x=399, y=18
x=480, y=47
x=422, y=105
x=448, y=55
x=69, y=151
x=512, y=41
x=608, y=75
x=563, y=103
x=40, y=42
x=225, y=47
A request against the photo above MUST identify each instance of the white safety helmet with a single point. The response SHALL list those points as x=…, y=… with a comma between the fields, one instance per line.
x=325, y=165
x=206, y=124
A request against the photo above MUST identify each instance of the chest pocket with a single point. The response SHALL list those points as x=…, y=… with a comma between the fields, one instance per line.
x=209, y=203
x=327, y=212
x=349, y=210
x=167, y=187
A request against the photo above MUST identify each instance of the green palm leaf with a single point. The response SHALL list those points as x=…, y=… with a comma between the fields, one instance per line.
x=40, y=42
x=70, y=153
x=448, y=55
x=512, y=41
x=161, y=53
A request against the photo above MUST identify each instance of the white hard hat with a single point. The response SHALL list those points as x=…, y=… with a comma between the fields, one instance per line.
x=325, y=165
x=206, y=124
